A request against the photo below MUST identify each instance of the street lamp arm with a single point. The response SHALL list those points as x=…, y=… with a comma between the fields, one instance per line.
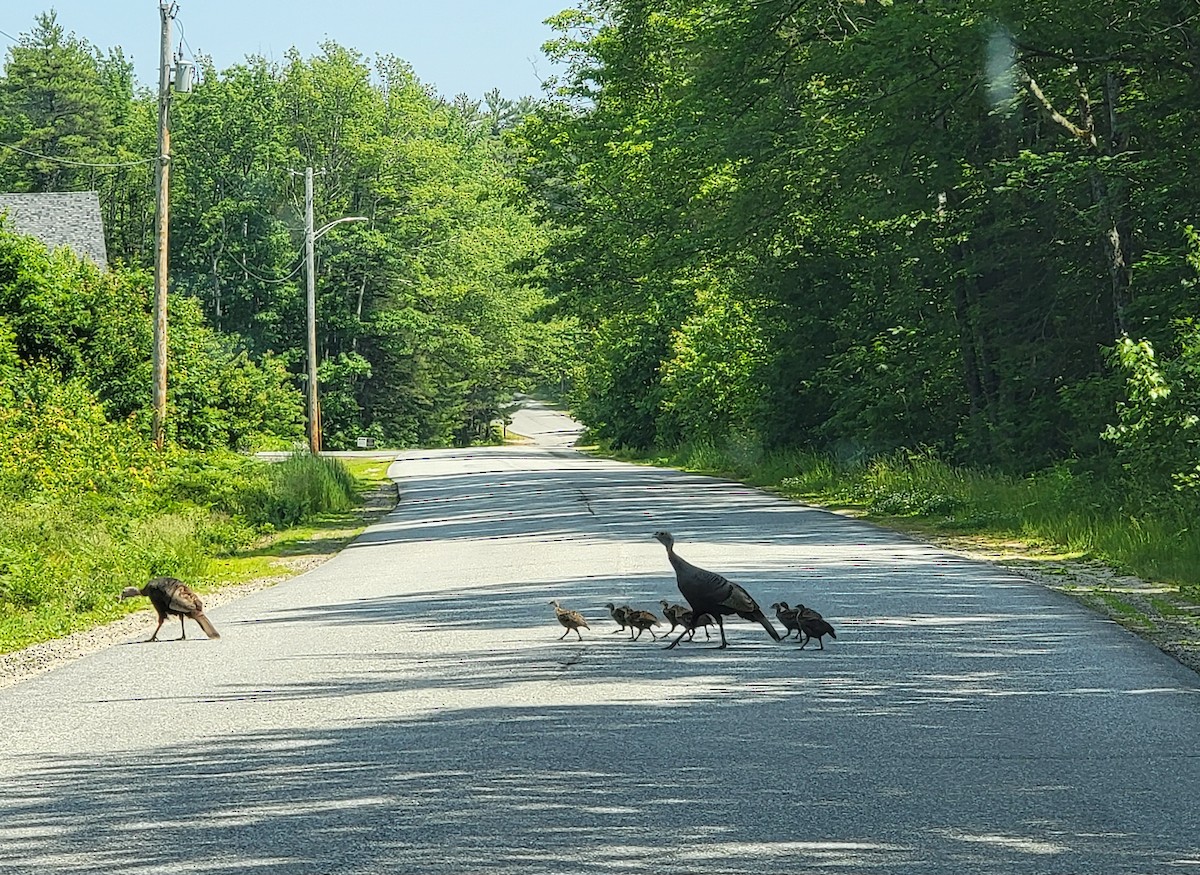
x=326, y=227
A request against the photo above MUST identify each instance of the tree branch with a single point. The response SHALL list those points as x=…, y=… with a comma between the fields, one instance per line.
x=1084, y=135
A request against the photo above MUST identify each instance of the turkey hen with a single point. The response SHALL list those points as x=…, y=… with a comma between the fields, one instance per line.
x=709, y=593
x=172, y=598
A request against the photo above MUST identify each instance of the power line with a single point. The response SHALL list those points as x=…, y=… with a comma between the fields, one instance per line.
x=263, y=279
x=76, y=163
x=9, y=35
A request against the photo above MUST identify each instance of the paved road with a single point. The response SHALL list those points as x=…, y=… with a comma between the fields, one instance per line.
x=406, y=707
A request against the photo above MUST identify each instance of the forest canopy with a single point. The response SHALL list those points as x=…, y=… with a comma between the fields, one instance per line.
x=424, y=325
x=852, y=226
x=861, y=225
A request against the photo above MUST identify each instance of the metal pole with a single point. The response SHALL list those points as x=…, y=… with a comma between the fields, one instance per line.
x=314, y=411
x=162, y=195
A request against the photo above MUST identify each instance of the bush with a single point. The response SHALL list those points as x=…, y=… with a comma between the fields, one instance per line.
x=301, y=487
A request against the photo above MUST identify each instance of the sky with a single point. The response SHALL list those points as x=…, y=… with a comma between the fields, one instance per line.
x=457, y=46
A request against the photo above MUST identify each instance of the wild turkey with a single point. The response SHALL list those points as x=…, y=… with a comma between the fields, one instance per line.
x=672, y=614
x=620, y=615
x=569, y=619
x=710, y=593
x=685, y=620
x=643, y=621
x=814, y=627
x=172, y=598
x=787, y=616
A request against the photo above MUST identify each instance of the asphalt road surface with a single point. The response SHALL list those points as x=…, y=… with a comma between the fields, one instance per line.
x=407, y=707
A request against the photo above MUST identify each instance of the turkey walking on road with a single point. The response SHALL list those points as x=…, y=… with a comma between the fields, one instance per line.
x=685, y=620
x=620, y=615
x=786, y=616
x=172, y=598
x=814, y=627
x=673, y=614
x=570, y=620
x=710, y=593
x=643, y=621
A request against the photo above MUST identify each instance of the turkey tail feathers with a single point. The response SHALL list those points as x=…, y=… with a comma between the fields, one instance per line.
x=209, y=629
x=761, y=618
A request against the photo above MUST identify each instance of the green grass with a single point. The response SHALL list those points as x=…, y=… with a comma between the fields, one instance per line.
x=211, y=521
x=1056, y=512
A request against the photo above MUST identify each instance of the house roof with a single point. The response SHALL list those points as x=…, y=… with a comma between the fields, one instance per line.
x=60, y=218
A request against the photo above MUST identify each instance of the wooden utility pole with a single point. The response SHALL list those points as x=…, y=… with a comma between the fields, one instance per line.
x=163, y=197
x=310, y=265
x=314, y=410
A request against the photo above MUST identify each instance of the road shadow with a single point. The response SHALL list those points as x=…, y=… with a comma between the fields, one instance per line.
x=678, y=785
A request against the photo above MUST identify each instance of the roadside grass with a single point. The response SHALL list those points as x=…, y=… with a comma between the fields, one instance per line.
x=1053, y=516
x=214, y=521
x=289, y=551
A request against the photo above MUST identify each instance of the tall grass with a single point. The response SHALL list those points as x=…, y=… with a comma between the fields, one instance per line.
x=1058, y=508
x=303, y=487
x=64, y=557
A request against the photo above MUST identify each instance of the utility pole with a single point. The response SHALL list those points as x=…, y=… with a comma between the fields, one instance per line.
x=166, y=12
x=314, y=411
x=310, y=266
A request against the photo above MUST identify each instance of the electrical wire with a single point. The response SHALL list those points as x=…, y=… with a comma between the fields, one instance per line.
x=76, y=163
x=262, y=279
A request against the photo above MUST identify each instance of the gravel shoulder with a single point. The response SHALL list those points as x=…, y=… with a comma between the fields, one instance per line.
x=1158, y=612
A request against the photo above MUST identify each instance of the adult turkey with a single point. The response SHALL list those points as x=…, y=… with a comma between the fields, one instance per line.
x=172, y=598
x=709, y=593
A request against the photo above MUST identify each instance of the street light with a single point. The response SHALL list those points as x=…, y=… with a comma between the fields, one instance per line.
x=310, y=237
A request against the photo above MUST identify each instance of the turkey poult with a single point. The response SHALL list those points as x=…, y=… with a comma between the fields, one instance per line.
x=814, y=627
x=709, y=593
x=787, y=616
x=685, y=620
x=673, y=614
x=172, y=598
x=569, y=620
x=620, y=615
x=643, y=621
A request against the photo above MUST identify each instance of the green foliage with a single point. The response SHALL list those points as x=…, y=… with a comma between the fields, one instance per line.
x=65, y=558
x=56, y=438
x=76, y=325
x=867, y=226
x=219, y=396
x=65, y=554
x=1157, y=433
x=420, y=308
x=302, y=487
x=249, y=496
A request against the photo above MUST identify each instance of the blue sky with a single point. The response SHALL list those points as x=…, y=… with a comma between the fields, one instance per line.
x=457, y=46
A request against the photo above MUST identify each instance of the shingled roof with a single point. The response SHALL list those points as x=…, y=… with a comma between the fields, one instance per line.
x=60, y=218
